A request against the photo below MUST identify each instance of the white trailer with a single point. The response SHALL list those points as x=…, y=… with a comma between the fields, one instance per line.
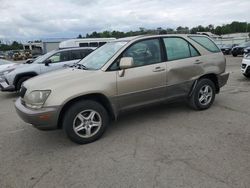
x=86, y=42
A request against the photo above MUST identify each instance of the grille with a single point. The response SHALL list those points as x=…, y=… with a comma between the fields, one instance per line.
x=243, y=66
x=22, y=92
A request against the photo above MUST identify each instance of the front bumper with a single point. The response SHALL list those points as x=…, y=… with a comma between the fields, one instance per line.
x=245, y=66
x=4, y=86
x=44, y=118
x=222, y=79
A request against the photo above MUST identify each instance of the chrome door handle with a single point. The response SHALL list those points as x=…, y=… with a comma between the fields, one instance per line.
x=159, y=69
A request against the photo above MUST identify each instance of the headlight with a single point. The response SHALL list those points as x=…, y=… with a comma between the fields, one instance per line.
x=8, y=71
x=36, y=99
x=247, y=56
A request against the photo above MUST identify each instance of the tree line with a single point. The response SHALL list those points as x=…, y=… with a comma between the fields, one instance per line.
x=13, y=46
x=233, y=27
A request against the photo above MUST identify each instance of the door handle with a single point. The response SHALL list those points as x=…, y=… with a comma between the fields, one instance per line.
x=159, y=69
x=197, y=62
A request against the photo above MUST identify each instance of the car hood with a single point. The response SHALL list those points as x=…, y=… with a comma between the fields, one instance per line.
x=63, y=79
x=7, y=67
x=237, y=47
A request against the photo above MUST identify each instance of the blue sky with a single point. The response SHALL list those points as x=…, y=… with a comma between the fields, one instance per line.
x=35, y=19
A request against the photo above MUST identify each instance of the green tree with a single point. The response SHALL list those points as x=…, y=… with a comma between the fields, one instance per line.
x=79, y=36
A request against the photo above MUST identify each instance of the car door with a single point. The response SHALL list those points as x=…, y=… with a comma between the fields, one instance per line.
x=58, y=60
x=145, y=82
x=184, y=65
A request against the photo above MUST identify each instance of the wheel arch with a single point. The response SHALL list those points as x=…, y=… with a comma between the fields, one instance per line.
x=21, y=75
x=210, y=76
x=98, y=97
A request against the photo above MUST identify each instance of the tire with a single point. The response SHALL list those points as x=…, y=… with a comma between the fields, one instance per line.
x=195, y=101
x=79, y=121
x=234, y=54
x=20, y=82
x=247, y=75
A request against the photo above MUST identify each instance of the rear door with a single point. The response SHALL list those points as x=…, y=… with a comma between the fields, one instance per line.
x=184, y=65
x=145, y=82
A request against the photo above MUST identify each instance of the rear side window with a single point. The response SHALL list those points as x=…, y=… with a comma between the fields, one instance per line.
x=79, y=54
x=75, y=55
x=84, y=44
x=84, y=53
x=178, y=48
x=101, y=43
x=206, y=43
x=93, y=44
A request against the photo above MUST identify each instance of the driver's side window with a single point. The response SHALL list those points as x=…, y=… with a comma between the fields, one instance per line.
x=145, y=52
x=59, y=57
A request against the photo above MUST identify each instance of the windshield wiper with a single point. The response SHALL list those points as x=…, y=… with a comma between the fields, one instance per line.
x=79, y=66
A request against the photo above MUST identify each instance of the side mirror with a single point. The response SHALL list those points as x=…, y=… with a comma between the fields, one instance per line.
x=126, y=62
x=47, y=62
x=29, y=61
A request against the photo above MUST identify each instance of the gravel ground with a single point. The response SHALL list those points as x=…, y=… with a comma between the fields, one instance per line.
x=168, y=145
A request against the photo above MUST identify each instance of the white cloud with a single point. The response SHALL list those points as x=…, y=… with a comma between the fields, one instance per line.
x=27, y=19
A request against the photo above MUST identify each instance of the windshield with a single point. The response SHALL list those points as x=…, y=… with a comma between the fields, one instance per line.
x=245, y=44
x=4, y=62
x=102, y=55
x=44, y=57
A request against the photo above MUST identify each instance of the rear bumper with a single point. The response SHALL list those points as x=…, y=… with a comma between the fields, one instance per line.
x=222, y=79
x=44, y=118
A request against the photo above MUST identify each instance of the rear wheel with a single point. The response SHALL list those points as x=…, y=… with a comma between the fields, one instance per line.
x=85, y=121
x=203, y=95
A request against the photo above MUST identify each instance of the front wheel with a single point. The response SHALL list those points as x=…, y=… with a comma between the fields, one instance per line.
x=203, y=95
x=234, y=54
x=85, y=121
x=247, y=75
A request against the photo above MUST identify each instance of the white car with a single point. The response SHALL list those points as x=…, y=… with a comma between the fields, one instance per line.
x=6, y=66
x=245, y=66
x=58, y=59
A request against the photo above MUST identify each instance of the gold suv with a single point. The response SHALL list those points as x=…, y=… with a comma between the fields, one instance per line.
x=121, y=75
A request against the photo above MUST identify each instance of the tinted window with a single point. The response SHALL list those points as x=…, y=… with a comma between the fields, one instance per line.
x=84, y=53
x=145, y=52
x=59, y=57
x=84, y=44
x=206, y=43
x=178, y=48
x=93, y=44
x=80, y=54
x=75, y=55
x=101, y=43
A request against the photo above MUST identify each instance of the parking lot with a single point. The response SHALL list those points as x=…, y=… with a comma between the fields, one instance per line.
x=167, y=145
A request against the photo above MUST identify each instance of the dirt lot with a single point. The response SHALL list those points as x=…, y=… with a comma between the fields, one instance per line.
x=163, y=146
